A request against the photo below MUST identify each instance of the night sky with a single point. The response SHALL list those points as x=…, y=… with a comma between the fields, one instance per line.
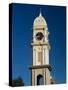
x=23, y=16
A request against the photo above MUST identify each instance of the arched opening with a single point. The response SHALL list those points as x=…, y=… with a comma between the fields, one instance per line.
x=39, y=80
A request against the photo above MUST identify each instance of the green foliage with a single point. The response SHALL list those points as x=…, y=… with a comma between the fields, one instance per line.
x=17, y=82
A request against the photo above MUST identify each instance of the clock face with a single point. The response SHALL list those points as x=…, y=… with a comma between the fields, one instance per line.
x=39, y=36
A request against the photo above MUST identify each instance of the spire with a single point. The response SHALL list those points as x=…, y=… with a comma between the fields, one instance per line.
x=40, y=14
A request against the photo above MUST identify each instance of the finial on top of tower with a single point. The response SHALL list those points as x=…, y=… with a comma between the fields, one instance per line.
x=40, y=14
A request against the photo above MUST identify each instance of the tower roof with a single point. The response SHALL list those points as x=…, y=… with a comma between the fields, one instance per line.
x=39, y=21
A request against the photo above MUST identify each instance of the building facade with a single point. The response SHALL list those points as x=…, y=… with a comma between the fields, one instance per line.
x=40, y=69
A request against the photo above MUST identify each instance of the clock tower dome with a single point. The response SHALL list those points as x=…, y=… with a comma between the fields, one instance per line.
x=40, y=69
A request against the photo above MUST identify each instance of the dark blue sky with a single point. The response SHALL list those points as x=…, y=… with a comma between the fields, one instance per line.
x=23, y=16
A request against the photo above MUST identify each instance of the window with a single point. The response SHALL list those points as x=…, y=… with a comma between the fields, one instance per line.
x=40, y=80
x=40, y=56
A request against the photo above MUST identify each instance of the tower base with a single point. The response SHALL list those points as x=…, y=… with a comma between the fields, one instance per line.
x=40, y=71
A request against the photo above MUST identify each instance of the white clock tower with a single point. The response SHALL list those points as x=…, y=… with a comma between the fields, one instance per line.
x=40, y=70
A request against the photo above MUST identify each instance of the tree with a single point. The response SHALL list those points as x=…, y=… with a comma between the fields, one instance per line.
x=17, y=82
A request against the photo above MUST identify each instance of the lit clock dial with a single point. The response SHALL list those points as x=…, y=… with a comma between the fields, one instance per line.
x=39, y=36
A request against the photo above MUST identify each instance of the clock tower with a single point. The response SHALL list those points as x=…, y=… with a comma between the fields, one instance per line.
x=40, y=69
